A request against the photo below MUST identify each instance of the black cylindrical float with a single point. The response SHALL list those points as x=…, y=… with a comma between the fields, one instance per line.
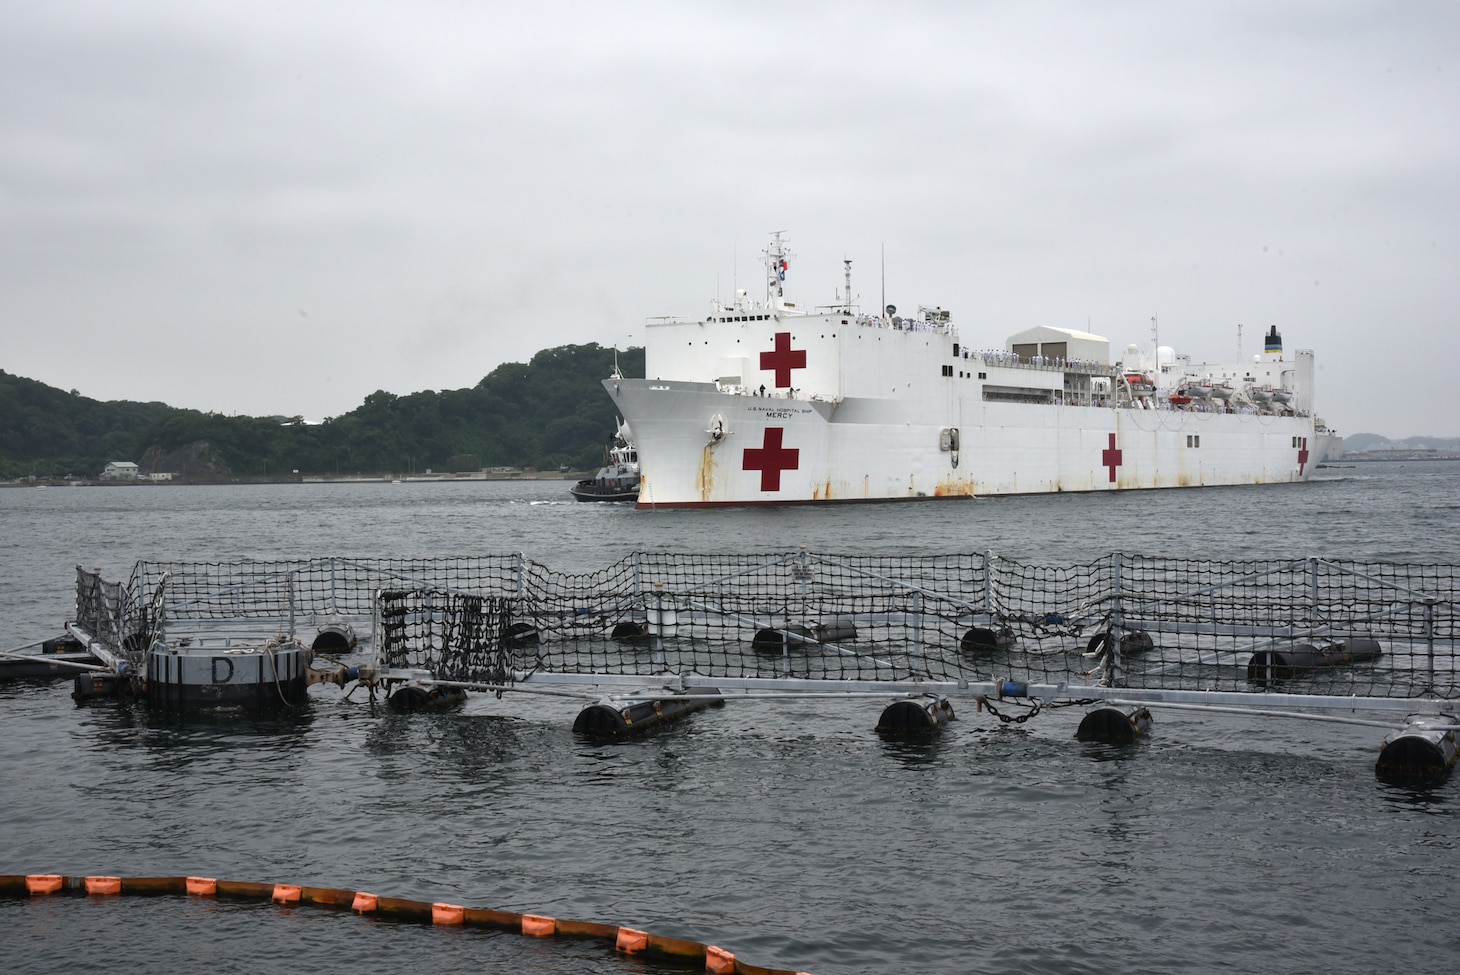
x=418, y=697
x=93, y=684
x=1132, y=643
x=1114, y=725
x=1424, y=750
x=834, y=630
x=915, y=716
x=63, y=644
x=982, y=639
x=523, y=632
x=1281, y=664
x=630, y=631
x=609, y=721
x=772, y=640
x=600, y=720
x=334, y=638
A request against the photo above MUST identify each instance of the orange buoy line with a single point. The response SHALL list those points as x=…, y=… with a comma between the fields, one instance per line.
x=717, y=960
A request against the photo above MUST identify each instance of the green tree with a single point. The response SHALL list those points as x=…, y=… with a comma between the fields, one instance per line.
x=549, y=411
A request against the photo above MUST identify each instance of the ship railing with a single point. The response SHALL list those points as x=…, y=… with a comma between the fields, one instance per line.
x=796, y=393
x=1012, y=360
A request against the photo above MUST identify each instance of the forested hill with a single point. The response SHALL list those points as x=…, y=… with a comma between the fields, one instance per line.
x=545, y=413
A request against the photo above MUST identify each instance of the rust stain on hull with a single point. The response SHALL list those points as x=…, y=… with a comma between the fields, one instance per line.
x=953, y=489
x=705, y=479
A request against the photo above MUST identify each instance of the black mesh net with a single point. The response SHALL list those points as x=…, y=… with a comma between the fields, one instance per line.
x=1368, y=630
x=451, y=635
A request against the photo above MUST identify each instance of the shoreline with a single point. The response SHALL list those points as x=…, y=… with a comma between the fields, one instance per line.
x=306, y=479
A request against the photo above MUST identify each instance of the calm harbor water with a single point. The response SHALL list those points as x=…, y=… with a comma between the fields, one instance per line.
x=788, y=833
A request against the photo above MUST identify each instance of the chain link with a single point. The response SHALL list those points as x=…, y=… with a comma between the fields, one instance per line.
x=984, y=704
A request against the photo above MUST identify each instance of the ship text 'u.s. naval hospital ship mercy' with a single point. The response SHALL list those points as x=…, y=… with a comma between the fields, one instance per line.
x=767, y=403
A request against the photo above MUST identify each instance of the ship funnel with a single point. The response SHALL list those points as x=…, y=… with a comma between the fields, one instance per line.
x=1273, y=344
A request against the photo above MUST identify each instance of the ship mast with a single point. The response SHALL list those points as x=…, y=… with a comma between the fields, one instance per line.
x=847, y=297
x=1155, y=355
x=775, y=271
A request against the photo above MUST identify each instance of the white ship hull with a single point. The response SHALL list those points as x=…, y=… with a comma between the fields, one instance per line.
x=783, y=451
x=765, y=404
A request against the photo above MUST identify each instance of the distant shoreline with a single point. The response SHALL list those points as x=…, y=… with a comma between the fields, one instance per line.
x=308, y=479
x=1371, y=457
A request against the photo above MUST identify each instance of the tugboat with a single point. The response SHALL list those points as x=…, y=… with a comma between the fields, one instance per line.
x=618, y=480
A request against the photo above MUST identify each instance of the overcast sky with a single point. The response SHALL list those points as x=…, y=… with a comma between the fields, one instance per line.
x=278, y=208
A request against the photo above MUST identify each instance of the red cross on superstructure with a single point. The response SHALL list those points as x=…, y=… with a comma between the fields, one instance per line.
x=1110, y=457
x=783, y=360
x=1302, y=456
x=771, y=458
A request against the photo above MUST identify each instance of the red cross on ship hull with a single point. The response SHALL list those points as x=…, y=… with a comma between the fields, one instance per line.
x=1111, y=457
x=783, y=359
x=771, y=459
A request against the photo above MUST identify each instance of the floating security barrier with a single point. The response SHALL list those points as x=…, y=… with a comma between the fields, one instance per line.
x=1424, y=750
x=775, y=639
x=982, y=639
x=1115, y=725
x=450, y=625
x=915, y=716
x=1266, y=665
x=623, y=939
x=611, y=721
